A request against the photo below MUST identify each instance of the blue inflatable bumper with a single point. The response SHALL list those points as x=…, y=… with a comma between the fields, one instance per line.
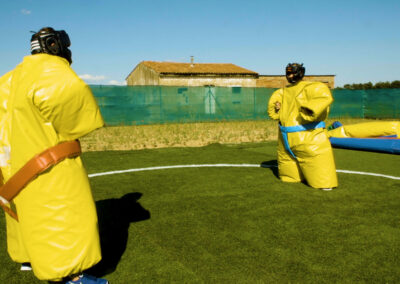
x=384, y=144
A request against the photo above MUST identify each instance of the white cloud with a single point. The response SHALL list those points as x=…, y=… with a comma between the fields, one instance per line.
x=115, y=82
x=26, y=12
x=88, y=77
x=100, y=79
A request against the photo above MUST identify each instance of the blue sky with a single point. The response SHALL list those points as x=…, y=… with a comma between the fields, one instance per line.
x=358, y=41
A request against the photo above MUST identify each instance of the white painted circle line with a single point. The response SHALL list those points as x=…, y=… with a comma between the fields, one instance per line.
x=367, y=174
x=225, y=165
x=176, y=167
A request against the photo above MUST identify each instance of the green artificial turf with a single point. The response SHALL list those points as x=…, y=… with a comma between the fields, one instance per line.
x=239, y=225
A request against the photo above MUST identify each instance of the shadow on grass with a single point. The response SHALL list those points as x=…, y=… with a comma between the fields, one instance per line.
x=272, y=165
x=114, y=216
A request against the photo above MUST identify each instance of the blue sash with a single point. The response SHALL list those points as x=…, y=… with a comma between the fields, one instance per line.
x=297, y=128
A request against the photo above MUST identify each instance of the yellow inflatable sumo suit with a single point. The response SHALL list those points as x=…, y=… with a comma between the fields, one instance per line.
x=43, y=102
x=367, y=129
x=304, y=150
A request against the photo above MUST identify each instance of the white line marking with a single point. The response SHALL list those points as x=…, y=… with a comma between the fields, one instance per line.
x=175, y=167
x=224, y=165
x=367, y=174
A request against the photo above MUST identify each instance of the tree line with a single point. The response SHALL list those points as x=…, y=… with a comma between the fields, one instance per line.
x=369, y=85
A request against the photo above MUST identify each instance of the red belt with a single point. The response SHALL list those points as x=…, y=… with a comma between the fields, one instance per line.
x=35, y=167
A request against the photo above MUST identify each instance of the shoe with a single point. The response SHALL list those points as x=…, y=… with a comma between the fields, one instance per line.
x=26, y=266
x=326, y=189
x=87, y=279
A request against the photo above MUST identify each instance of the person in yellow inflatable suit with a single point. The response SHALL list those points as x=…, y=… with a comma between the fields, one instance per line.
x=304, y=150
x=43, y=103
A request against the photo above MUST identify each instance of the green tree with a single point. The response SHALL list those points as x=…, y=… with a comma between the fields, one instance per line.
x=382, y=85
x=395, y=84
x=369, y=85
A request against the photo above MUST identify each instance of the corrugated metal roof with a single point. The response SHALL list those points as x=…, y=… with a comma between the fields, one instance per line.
x=197, y=68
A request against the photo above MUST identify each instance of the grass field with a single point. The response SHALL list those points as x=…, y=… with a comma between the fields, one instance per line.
x=239, y=225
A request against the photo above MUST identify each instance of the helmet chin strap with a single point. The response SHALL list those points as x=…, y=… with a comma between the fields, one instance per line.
x=68, y=55
x=293, y=79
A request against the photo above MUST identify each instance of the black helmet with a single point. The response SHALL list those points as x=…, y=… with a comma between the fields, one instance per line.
x=53, y=42
x=297, y=70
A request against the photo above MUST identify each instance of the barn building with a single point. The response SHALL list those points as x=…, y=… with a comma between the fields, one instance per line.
x=209, y=74
x=279, y=81
x=191, y=74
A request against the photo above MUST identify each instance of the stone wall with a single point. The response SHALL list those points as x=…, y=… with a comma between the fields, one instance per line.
x=279, y=81
x=205, y=81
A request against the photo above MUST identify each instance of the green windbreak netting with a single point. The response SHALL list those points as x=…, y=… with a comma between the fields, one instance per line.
x=133, y=105
x=374, y=103
x=347, y=103
x=382, y=103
